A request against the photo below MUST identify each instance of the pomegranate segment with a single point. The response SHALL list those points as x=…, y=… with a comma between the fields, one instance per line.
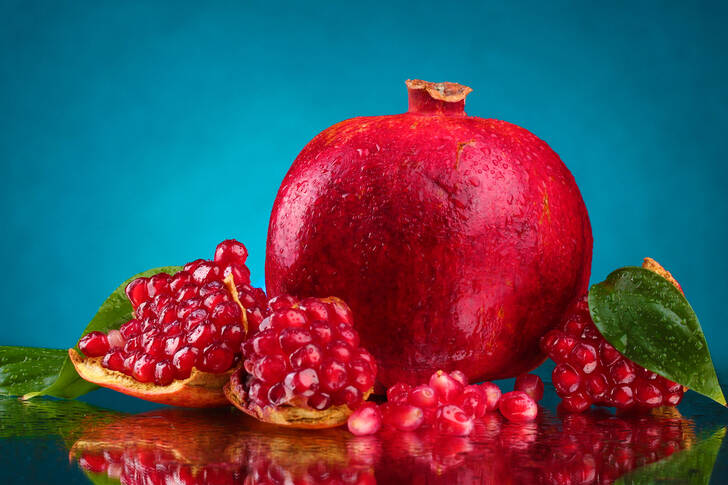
x=591, y=371
x=304, y=367
x=184, y=324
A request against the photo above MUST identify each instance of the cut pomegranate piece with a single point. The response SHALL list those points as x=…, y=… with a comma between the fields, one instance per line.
x=300, y=372
x=591, y=371
x=185, y=336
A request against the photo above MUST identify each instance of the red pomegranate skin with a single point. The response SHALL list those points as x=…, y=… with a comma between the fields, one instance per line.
x=457, y=241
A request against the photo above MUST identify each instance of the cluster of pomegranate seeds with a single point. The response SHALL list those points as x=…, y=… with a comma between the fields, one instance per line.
x=182, y=321
x=448, y=404
x=591, y=371
x=306, y=353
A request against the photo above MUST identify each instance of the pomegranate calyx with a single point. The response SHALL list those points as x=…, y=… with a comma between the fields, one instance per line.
x=200, y=389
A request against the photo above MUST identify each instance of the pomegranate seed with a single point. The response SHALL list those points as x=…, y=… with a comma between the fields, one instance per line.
x=622, y=372
x=307, y=356
x=172, y=345
x=136, y=291
x=348, y=334
x=94, y=344
x=116, y=339
x=531, y=384
x=163, y=373
x=293, y=338
x=278, y=394
x=202, y=335
x=281, y=302
x=596, y=386
x=129, y=362
x=348, y=395
x=316, y=310
x=342, y=312
x=186, y=293
x=266, y=343
x=144, y=368
x=622, y=397
x=452, y=420
x=518, y=407
x=195, y=318
x=211, y=288
x=459, y=376
x=584, y=358
x=562, y=346
x=302, y=383
x=178, y=281
x=258, y=392
x=230, y=251
x=232, y=335
x=216, y=358
x=186, y=307
x=671, y=386
x=404, y=417
x=183, y=361
x=398, y=393
x=114, y=361
x=290, y=318
x=155, y=347
x=473, y=402
x=333, y=376
x=227, y=312
x=319, y=401
x=647, y=394
x=448, y=389
x=172, y=329
x=339, y=350
x=133, y=344
x=240, y=273
x=492, y=395
x=366, y=420
x=132, y=328
x=270, y=369
x=158, y=285
x=423, y=396
x=566, y=380
x=144, y=310
x=322, y=333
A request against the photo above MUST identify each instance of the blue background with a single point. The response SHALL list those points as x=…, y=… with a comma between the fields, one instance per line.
x=139, y=134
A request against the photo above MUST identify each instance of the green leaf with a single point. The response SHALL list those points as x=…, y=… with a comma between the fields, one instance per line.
x=692, y=465
x=649, y=321
x=32, y=372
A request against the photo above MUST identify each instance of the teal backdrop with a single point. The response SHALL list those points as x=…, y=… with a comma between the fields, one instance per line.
x=138, y=134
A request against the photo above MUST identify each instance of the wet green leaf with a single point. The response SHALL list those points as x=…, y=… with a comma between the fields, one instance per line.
x=649, y=321
x=32, y=372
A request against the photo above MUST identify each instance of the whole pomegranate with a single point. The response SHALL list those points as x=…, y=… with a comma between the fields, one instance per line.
x=457, y=241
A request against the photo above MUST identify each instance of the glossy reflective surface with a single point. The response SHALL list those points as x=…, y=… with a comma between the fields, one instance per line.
x=74, y=442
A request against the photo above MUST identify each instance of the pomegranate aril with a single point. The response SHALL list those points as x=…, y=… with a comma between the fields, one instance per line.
x=531, y=384
x=366, y=420
x=341, y=312
x=319, y=401
x=216, y=358
x=473, y=402
x=398, y=393
x=459, y=376
x=186, y=307
x=270, y=369
x=132, y=344
x=278, y=394
x=155, y=347
x=172, y=329
x=289, y=318
x=673, y=399
x=404, y=417
x=158, y=285
x=258, y=392
x=307, y=356
x=492, y=395
x=266, y=343
x=94, y=344
x=172, y=345
x=647, y=394
x=239, y=273
x=322, y=333
x=281, y=302
x=302, y=383
x=622, y=397
x=518, y=407
x=114, y=361
x=448, y=389
x=423, y=396
x=565, y=379
x=230, y=251
x=333, y=376
x=129, y=361
x=202, y=335
x=225, y=313
x=583, y=357
x=183, y=362
x=348, y=334
x=452, y=420
x=178, y=281
x=144, y=310
x=622, y=372
x=671, y=386
x=609, y=355
x=144, y=368
x=132, y=328
x=339, y=350
x=205, y=272
x=576, y=403
x=232, y=335
x=596, y=386
x=562, y=346
x=163, y=373
x=136, y=291
x=316, y=310
x=360, y=375
x=348, y=395
x=293, y=338
x=186, y=292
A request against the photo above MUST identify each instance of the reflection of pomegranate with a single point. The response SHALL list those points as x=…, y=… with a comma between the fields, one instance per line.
x=457, y=241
